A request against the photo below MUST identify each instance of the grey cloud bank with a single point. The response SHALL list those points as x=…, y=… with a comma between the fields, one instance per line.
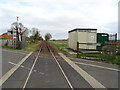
x=60, y=16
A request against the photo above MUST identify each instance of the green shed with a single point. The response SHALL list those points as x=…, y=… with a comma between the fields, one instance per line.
x=101, y=39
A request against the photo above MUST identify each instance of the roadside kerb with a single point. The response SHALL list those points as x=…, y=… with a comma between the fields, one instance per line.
x=92, y=81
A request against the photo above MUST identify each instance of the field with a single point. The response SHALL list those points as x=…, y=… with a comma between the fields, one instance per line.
x=59, y=44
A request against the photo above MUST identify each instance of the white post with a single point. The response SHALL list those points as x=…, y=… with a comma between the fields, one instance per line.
x=18, y=30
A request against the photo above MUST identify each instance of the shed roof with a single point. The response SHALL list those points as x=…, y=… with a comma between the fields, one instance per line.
x=81, y=29
x=6, y=36
x=103, y=33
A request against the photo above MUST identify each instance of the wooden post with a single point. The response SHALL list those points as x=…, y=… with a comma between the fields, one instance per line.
x=115, y=43
x=116, y=37
x=77, y=49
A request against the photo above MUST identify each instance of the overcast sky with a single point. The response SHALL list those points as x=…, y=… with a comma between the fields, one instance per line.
x=60, y=16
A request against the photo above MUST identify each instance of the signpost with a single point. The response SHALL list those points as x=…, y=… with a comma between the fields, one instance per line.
x=18, y=33
x=18, y=27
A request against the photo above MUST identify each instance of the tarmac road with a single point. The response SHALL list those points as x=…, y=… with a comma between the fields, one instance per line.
x=47, y=74
x=107, y=74
x=9, y=57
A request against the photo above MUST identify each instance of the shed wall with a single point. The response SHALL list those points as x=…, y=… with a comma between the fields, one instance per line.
x=92, y=38
x=73, y=40
x=82, y=38
x=88, y=38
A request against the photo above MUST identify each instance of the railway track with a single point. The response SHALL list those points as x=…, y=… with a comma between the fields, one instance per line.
x=46, y=49
x=45, y=68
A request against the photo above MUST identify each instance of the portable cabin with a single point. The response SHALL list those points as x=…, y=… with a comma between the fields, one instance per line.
x=86, y=37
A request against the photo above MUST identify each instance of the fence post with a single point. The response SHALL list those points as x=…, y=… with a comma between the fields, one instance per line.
x=115, y=44
x=77, y=49
x=116, y=37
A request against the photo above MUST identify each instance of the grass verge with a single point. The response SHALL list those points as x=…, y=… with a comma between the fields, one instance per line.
x=58, y=45
x=11, y=48
x=29, y=47
x=114, y=59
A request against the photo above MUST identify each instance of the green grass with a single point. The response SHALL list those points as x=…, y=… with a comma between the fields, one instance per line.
x=114, y=59
x=31, y=47
x=117, y=60
x=60, y=46
x=2, y=38
x=11, y=48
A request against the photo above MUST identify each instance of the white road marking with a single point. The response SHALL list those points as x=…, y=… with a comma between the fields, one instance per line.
x=16, y=52
x=97, y=66
x=62, y=70
x=92, y=81
x=16, y=64
x=23, y=67
x=31, y=70
x=41, y=73
x=11, y=71
x=19, y=65
x=34, y=70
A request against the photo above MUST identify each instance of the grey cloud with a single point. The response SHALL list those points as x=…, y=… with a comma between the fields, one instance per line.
x=112, y=27
x=57, y=16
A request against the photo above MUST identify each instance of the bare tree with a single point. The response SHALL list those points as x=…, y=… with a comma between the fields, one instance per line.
x=34, y=31
x=48, y=36
x=35, y=37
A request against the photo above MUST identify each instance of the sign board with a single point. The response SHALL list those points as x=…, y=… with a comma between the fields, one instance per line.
x=98, y=44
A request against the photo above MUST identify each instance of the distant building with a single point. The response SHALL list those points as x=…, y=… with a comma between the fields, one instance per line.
x=6, y=36
x=6, y=39
x=86, y=37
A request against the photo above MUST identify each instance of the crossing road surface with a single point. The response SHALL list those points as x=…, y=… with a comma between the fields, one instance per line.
x=48, y=69
x=9, y=56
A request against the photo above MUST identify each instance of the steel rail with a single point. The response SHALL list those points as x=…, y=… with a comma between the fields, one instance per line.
x=66, y=78
x=26, y=81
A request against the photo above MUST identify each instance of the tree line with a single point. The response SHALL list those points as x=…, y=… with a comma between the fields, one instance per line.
x=35, y=36
x=32, y=35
